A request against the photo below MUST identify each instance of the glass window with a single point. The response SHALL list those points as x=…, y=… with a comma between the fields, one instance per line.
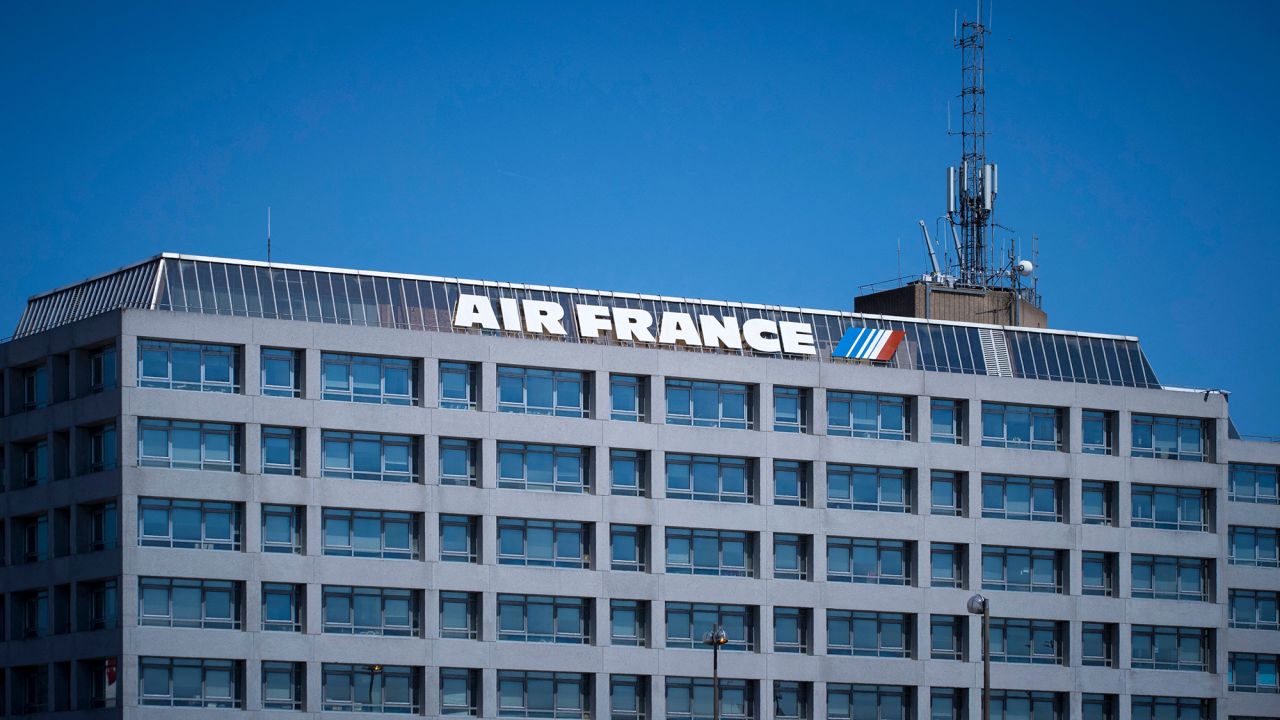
x=710, y=478
x=35, y=387
x=863, y=487
x=875, y=702
x=790, y=409
x=1163, y=647
x=281, y=372
x=34, y=533
x=628, y=622
x=1254, y=546
x=369, y=379
x=281, y=451
x=1018, y=569
x=1171, y=578
x=282, y=684
x=791, y=484
x=1253, y=609
x=370, y=533
x=188, y=366
x=1024, y=427
x=1020, y=640
x=1027, y=705
x=534, y=391
x=460, y=691
x=1172, y=438
x=35, y=464
x=543, y=543
x=869, y=634
x=868, y=560
x=947, y=704
x=391, y=612
x=459, y=615
x=946, y=421
x=188, y=445
x=191, y=603
x=710, y=404
x=1095, y=706
x=887, y=417
x=628, y=472
x=947, y=637
x=370, y=688
x=192, y=524
x=690, y=698
x=103, y=527
x=1253, y=483
x=946, y=565
x=459, y=538
x=946, y=493
x=530, y=694
x=1147, y=707
x=628, y=398
x=791, y=556
x=1253, y=673
x=190, y=682
x=369, y=456
x=1098, y=432
x=1097, y=502
x=544, y=468
x=688, y=623
x=791, y=699
x=628, y=697
x=282, y=607
x=1098, y=644
x=282, y=528
x=1097, y=573
x=710, y=552
x=1022, y=498
x=459, y=462
x=1171, y=508
x=791, y=630
x=104, y=448
x=104, y=372
x=628, y=548
x=458, y=385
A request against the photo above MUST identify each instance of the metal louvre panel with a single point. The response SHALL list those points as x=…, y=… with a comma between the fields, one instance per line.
x=130, y=287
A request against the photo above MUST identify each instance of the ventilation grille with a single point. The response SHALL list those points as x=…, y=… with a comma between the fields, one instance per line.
x=995, y=352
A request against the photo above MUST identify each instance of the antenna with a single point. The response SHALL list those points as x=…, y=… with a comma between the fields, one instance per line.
x=268, y=234
x=971, y=202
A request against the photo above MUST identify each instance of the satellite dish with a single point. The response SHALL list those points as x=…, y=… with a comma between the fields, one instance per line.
x=1024, y=267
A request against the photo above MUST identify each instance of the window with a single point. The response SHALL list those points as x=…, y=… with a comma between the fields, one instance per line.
x=281, y=372
x=946, y=493
x=791, y=556
x=947, y=704
x=688, y=623
x=628, y=548
x=628, y=622
x=1097, y=502
x=31, y=609
x=1095, y=706
x=282, y=607
x=369, y=456
x=282, y=685
x=458, y=385
x=188, y=366
x=710, y=552
x=791, y=699
x=282, y=529
x=190, y=603
x=281, y=451
x=458, y=462
x=1163, y=647
x=460, y=691
x=946, y=637
x=1019, y=640
x=369, y=379
x=868, y=416
x=104, y=448
x=1172, y=438
x=1171, y=508
x=947, y=565
x=188, y=445
x=543, y=543
x=30, y=689
x=709, y=478
x=1147, y=707
x=370, y=688
x=459, y=538
x=791, y=483
x=1023, y=427
x=544, y=468
x=532, y=391
x=628, y=697
x=1254, y=546
x=529, y=694
x=1021, y=498
x=101, y=676
x=190, y=682
x=1253, y=484
x=862, y=487
x=370, y=533
x=459, y=615
x=35, y=387
x=1253, y=609
x=791, y=630
x=192, y=524
x=710, y=404
x=628, y=472
x=1021, y=569
x=390, y=612
x=869, y=634
x=35, y=464
x=874, y=702
x=1027, y=705
x=1253, y=673
x=1098, y=573
x=628, y=398
x=790, y=409
x=1098, y=644
x=946, y=421
x=33, y=537
x=1098, y=432
x=690, y=698
x=867, y=560
x=103, y=527
x=104, y=373
x=1171, y=578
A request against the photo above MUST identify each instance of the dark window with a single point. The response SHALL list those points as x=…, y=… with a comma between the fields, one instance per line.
x=188, y=445
x=1096, y=706
x=868, y=560
x=946, y=493
x=1172, y=438
x=866, y=415
x=1097, y=502
x=188, y=366
x=104, y=373
x=791, y=699
x=947, y=565
x=690, y=698
x=1253, y=673
x=628, y=472
x=947, y=704
x=946, y=421
x=544, y=619
x=189, y=603
x=104, y=448
x=1021, y=569
x=947, y=637
x=193, y=524
x=628, y=398
x=791, y=556
x=190, y=682
x=283, y=527
x=460, y=691
x=529, y=694
x=1253, y=609
x=710, y=478
x=370, y=533
x=791, y=485
x=391, y=612
x=863, y=487
x=370, y=688
x=282, y=685
x=1030, y=704
x=544, y=468
x=369, y=456
x=281, y=451
x=1147, y=707
x=282, y=607
x=457, y=385
x=544, y=543
x=1098, y=432
x=1022, y=498
x=628, y=697
x=628, y=622
x=791, y=630
x=688, y=624
x=628, y=548
x=1253, y=483
x=1098, y=644
x=1254, y=546
x=790, y=409
x=459, y=538
x=882, y=702
x=1024, y=427
x=1171, y=508
x=459, y=615
x=710, y=552
x=1098, y=573
x=459, y=462
x=871, y=634
x=1019, y=640
x=1171, y=578
x=1163, y=647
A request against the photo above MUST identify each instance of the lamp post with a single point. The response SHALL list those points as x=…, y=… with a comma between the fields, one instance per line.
x=979, y=605
x=715, y=638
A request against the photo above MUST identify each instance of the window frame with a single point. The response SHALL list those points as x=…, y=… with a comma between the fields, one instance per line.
x=205, y=353
x=384, y=597
x=351, y=391
x=233, y=434
x=389, y=470
x=865, y=413
x=682, y=404
x=721, y=464
x=639, y=388
x=526, y=453
x=449, y=400
x=557, y=530
x=511, y=375
x=997, y=414
x=880, y=546
x=800, y=397
x=723, y=539
x=271, y=356
x=844, y=491
x=385, y=519
x=958, y=410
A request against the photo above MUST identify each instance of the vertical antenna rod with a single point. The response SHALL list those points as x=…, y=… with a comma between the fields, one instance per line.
x=971, y=200
x=268, y=234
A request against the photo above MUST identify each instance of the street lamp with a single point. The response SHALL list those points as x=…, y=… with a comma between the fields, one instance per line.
x=715, y=638
x=979, y=605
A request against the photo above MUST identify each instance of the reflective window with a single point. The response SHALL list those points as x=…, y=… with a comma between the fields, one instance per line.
x=1098, y=644
x=874, y=702
x=1254, y=546
x=35, y=387
x=282, y=685
x=459, y=615
x=391, y=612
x=1171, y=578
x=690, y=698
x=866, y=415
x=628, y=622
x=947, y=704
x=946, y=565
x=190, y=682
x=1253, y=609
x=31, y=610
x=1024, y=427
x=543, y=543
x=33, y=534
x=1253, y=673
x=628, y=697
x=104, y=371
x=191, y=603
x=188, y=366
x=628, y=548
x=1171, y=508
x=459, y=538
x=791, y=556
x=791, y=630
x=1019, y=569
x=863, y=487
x=790, y=409
x=282, y=528
x=545, y=468
x=946, y=493
x=791, y=699
x=947, y=636
x=193, y=524
x=369, y=379
x=1097, y=502
x=458, y=385
x=1095, y=706
x=1253, y=483
x=369, y=456
x=791, y=485
x=1027, y=705
x=35, y=464
x=529, y=694
x=1022, y=498
x=188, y=445
x=459, y=462
x=534, y=391
x=1097, y=573
x=1020, y=640
x=710, y=404
x=689, y=623
x=870, y=634
x=370, y=533
x=710, y=552
x=281, y=372
x=460, y=691
x=1162, y=647
x=104, y=448
x=1173, y=438
x=370, y=688
x=709, y=478
x=103, y=527
x=946, y=421
x=628, y=398
x=282, y=607
x=1147, y=707
x=868, y=560
x=1098, y=432
x=628, y=472
x=281, y=451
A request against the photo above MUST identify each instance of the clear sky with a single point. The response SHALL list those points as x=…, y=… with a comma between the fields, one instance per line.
x=771, y=153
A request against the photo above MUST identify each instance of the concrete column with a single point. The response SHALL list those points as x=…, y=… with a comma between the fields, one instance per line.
x=601, y=404
x=764, y=480
x=921, y=421
x=251, y=370
x=764, y=406
x=1072, y=430
x=487, y=387
x=312, y=386
x=656, y=407
x=487, y=474
x=973, y=423
x=818, y=405
x=429, y=392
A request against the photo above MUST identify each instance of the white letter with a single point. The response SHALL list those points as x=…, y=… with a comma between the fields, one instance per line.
x=762, y=335
x=722, y=332
x=510, y=314
x=797, y=338
x=593, y=320
x=678, y=327
x=473, y=310
x=542, y=316
x=631, y=324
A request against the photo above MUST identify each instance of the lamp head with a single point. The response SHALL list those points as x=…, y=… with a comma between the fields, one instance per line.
x=977, y=604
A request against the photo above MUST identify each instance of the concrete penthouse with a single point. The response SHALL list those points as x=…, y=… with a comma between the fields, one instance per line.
x=232, y=487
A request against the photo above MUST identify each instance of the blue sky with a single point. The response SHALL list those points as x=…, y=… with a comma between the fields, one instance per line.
x=762, y=152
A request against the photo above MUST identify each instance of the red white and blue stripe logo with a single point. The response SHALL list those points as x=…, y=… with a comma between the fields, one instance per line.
x=864, y=343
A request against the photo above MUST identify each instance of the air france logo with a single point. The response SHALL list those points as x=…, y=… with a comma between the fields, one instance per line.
x=864, y=343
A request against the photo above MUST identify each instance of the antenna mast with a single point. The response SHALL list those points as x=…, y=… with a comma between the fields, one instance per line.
x=971, y=188
x=268, y=234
